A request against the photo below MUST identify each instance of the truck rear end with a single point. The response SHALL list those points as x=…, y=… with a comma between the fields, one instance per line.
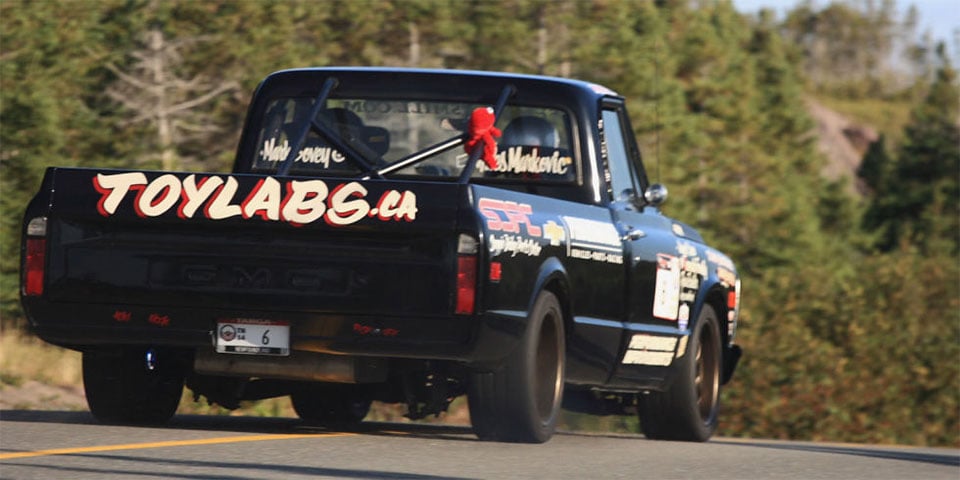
x=150, y=257
x=343, y=260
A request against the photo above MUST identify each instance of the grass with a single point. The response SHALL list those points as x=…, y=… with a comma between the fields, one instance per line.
x=24, y=357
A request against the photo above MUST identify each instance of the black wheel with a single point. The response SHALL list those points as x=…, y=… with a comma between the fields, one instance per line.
x=688, y=410
x=521, y=401
x=122, y=387
x=335, y=405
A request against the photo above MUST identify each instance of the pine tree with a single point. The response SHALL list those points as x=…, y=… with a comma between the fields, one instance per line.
x=875, y=168
x=920, y=200
x=46, y=113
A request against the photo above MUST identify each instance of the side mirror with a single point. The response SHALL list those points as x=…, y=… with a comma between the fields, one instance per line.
x=655, y=194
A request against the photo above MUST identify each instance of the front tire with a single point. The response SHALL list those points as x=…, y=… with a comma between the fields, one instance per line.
x=689, y=409
x=122, y=389
x=521, y=401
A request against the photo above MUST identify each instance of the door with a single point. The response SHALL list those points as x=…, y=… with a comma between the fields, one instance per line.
x=652, y=272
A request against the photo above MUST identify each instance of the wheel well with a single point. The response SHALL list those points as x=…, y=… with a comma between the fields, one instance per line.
x=717, y=300
x=559, y=288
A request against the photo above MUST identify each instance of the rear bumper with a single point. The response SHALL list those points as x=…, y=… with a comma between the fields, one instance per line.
x=481, y=340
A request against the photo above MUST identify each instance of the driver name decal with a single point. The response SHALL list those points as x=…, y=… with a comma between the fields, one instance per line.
x=277, y=152
x=297, y=202
x=514, y=160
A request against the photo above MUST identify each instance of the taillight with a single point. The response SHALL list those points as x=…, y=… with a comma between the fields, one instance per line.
x=466, y=274
x=36, y=260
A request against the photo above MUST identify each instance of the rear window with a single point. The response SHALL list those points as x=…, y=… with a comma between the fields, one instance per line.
x=535, y=144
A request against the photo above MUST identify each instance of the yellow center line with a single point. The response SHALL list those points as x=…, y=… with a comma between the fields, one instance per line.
x=169, y=443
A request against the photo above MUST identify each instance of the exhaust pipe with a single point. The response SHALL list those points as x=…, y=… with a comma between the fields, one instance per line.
x=299, y=365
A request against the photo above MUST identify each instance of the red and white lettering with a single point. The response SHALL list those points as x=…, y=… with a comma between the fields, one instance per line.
x=114, y=187
x=305, y=201
x=343, y=211
x=407, y=210
x=395, y=205
x=263, y=200
x=300, y=203
x=159, y=196
x=219, y=206
x=195, y=194
x=504, y=216
x=488, y=208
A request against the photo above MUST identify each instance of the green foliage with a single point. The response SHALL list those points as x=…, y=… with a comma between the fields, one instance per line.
x=917, y=198
x=842, y=343
x=866, y=353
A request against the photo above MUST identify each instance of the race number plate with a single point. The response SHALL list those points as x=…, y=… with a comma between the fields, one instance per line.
x=250, y=336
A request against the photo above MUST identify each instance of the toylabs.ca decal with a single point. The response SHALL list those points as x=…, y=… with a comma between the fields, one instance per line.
x=298, y=202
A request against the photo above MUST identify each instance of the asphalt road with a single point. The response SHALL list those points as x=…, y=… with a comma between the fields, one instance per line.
x=70, y=445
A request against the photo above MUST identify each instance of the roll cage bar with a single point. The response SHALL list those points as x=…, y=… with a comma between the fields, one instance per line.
x=364, y=157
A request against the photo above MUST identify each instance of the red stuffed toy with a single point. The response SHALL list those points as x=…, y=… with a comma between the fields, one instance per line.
x=481, y=129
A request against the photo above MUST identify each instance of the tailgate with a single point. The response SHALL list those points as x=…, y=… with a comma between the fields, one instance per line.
x=251, y=241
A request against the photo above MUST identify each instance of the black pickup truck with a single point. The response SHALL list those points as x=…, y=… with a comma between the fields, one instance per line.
x=357, y=252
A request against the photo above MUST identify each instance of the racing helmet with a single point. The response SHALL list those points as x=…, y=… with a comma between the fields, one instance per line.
x=530, y=131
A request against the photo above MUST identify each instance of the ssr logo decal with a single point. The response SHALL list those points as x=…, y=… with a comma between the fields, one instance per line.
x=298, y=202
x=512, y=232
x=508, y=217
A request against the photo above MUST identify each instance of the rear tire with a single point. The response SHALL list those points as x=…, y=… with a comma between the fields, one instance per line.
x=689, y=409
x=120, y=389
x=334, y=405
x=521, y=401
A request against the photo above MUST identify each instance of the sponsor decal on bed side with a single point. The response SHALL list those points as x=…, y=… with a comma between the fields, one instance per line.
x=593, y=240
x=514, y=232
x=654, y=350
x=298, y=202
x=513, y=245
x=508, y=217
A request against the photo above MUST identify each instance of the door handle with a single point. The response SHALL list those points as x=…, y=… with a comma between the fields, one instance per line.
x=633, y=234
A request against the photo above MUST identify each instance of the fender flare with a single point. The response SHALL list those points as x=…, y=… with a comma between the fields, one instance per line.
x=714, y=293
x=553, y=276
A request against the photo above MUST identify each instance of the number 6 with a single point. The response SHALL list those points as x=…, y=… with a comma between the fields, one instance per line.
x=265, y=340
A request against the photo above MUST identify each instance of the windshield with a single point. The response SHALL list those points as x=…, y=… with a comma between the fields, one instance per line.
x=535, y=143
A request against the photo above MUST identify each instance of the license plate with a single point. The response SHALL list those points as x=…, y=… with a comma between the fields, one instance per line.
x=250, y=336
